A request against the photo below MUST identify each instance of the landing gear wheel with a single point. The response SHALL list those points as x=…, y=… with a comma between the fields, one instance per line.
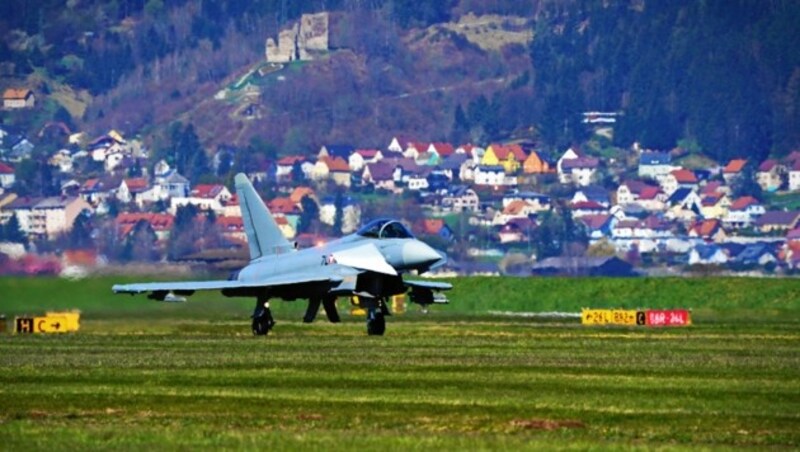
x=262, y=319
x=376, y=323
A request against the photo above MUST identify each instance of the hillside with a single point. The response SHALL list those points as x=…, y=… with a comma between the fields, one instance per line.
x=716, y=77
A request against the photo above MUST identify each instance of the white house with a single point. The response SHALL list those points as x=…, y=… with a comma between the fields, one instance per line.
x=7, y=177
x=53, y=216
x=655, y=165
x=493, y=175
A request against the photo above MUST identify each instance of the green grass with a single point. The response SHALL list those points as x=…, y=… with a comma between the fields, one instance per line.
x=142, y=375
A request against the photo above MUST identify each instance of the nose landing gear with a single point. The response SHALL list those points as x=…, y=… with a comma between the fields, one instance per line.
x=262, y=318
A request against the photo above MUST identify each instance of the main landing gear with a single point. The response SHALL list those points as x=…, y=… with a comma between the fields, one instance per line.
x=377, y=310
x=262, y=317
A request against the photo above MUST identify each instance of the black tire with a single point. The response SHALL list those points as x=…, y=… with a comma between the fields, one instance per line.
x=376, y=323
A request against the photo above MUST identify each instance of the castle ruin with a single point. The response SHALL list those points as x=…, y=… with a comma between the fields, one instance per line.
x=306, y=40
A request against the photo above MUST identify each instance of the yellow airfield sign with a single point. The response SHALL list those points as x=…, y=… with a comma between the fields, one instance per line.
x=52, y=322
x=609, y=317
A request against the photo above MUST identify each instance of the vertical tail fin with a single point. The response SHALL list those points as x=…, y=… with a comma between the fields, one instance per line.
x=263, y=235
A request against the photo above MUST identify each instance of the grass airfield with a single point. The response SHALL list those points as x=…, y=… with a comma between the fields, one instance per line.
x=143, y=375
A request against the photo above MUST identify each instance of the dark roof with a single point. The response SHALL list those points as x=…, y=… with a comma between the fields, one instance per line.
x=679, y=195
x=595, y=193
x=655, y=158
x=340, y=150
x=778, y=217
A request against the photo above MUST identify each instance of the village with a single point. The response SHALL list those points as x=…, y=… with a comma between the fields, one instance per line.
x=496, y=208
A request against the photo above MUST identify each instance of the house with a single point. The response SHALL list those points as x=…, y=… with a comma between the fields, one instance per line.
x=361, y=157
x=715, y=186
x=451, y=165
x=652, y=199
x=333, y=168
x=459, y=198
x=535, y=163
x=684, y=204
x=55, y=215
x=414, y=149
x=516, y=230
x=583, y=266
x=380, y=174
x=14, y=98
x=283, y=206
x=679, y=178
x=398, y=144
x=285, y=166
x=593, y=193
x=301, y=192
x=708, y=230
x=757, y=254
x=743, y=212
x=434, y=227
x=342, y=151
x=205, y=197
x=440, y=150
x=7, y=177
x=776, y=221
x=133, y=190
x=569, y=154
x=539, y=201
x=598, y=226
x=171, y=185
x=232, y=228
x=22, y=208
x=62, y=159
x=715, y=205
x=161, y=223
x=770, y=174
x=733, y=169
x=510, y=157
x=794, y=176
x=655, y=165
x=96, y=191
x=515, y=209
x=707, y=254
x=493, y=176
x=579, y=171
x=628, y=192
x=587, y=208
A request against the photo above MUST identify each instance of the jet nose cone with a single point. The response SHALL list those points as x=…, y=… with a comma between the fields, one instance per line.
x=418, y=254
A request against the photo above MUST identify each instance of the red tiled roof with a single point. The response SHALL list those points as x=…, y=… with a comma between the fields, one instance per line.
x=684, y=176
x=432, y=225
x=649, y=193
x=16, y=93
x=595, y=221
x=706, y=228
x=207, y=191
x=137, y=184
x=367, y=153
x=443, y=149
x=299, y=193
x=587, y=205
x=282, y=205
x=158, y=221
x=743, y=203
x=502, y=152
x=336, y=164
x=734, y=166
x=711, y=187
x=5, y=169
x=231, y=224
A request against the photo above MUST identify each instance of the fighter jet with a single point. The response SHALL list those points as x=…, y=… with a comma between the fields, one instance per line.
x=369, y=264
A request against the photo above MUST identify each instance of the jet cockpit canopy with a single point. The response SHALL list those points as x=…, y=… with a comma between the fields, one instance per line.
x=385, y=229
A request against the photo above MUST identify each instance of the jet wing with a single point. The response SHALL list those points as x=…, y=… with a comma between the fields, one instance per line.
x=432, y=285
x=183, y=287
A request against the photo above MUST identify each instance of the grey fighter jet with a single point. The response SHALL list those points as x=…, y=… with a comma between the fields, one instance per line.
x=369, y=263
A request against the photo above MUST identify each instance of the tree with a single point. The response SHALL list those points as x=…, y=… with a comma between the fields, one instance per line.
x=338, y=216
x=80, y=236
x=745, y=183
x=309, y=215
x=460, y=130
x=12, y=232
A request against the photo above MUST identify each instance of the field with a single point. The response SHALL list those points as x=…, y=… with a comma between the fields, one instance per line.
x=141, y=374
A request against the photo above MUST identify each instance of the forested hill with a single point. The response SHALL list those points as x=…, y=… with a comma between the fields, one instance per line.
x=723, y=75
x=719, y=76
